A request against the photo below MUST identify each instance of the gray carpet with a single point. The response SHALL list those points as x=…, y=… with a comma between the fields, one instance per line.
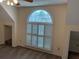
x=7, y=52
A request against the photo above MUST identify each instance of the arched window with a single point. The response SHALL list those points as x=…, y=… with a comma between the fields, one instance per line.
x=39, y=30
x=40, y=16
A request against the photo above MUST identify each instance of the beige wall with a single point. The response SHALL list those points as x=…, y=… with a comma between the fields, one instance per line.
x=61, y=33
x=2, y=30
x=72, y=21
x=73, y=12
x=59, y=26
x=1, y=34
x=11, y=11
x=8, y=16
x=67, y=36
x=4, y=20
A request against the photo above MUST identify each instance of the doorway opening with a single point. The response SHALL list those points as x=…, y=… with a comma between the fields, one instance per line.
x=8, y=35
x=74, y=45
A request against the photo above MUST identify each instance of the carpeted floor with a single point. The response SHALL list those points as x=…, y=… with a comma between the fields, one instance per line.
x=7, y=52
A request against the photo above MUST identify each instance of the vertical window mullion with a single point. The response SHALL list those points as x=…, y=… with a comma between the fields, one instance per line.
x=31, y=32
x=37, y=33
x=44, y=37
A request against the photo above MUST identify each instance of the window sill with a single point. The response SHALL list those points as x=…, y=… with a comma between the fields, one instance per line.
x=40, y=49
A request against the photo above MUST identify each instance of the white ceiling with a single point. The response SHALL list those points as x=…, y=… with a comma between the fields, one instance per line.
x=41, y=2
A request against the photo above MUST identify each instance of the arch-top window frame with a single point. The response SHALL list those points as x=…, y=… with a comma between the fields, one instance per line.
x=39, y=30
x=37, y=15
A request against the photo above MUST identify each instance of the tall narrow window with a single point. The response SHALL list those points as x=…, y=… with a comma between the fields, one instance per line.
x=39, y=30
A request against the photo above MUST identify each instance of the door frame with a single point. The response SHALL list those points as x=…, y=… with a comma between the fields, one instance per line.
x=11, y=33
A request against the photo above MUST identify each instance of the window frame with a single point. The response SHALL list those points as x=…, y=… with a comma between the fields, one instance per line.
x=43, y=23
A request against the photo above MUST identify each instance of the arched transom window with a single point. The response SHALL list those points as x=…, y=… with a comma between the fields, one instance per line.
x=39, y=30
